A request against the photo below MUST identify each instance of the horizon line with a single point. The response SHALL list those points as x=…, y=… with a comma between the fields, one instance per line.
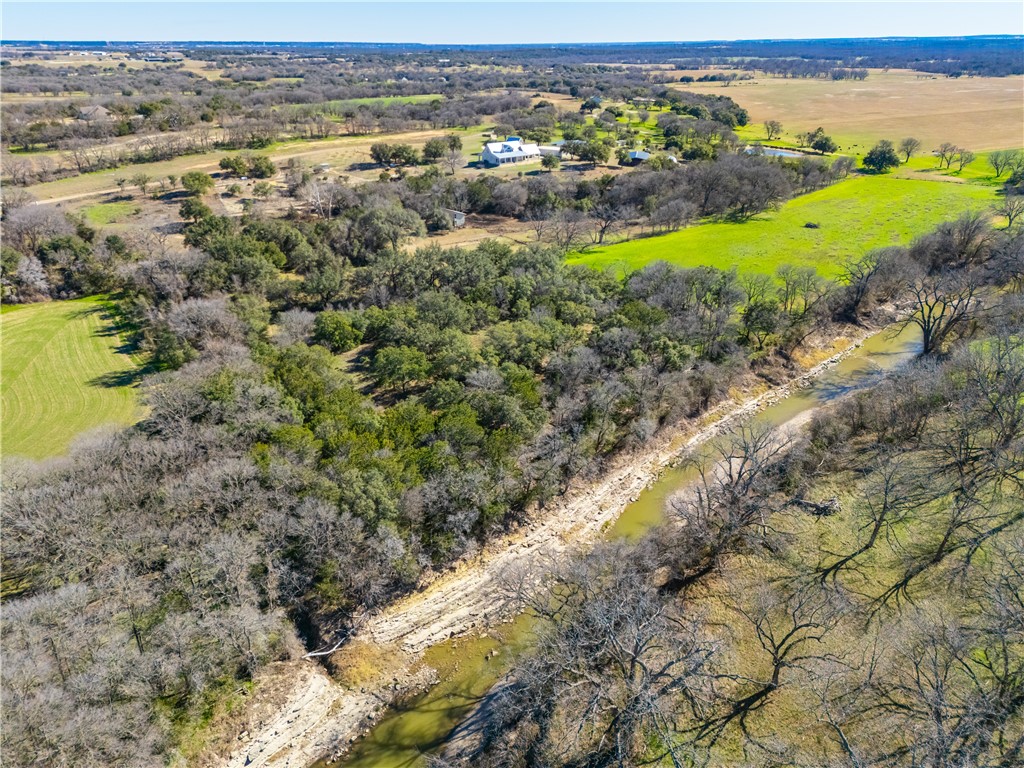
x=42, y=41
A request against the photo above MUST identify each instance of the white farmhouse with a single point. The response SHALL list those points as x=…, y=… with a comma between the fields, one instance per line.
x=511, y=150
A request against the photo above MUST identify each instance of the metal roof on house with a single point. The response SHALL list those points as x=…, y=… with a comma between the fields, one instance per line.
x=511, y=147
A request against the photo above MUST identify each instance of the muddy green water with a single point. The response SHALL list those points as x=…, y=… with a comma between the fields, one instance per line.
x=421, y=726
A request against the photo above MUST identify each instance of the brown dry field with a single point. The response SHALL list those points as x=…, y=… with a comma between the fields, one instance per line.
x=981, y=113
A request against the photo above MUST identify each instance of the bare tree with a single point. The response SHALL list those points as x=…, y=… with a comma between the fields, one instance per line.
x=964, y=157
x=568, y=229
x=896, y=491
x=946, y=153
x=609, y=218
x=613, y=667
x=729, y=506
x=756, y=287
x=941, y=307
x=908, y=147
x=1002, y=160
x=454, y=159
x=772, y=129
x=789, y=627
x=951, y=692
x=1011, y=207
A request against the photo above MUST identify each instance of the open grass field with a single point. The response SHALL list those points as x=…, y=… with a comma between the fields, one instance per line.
x=102, y=214
x=338, y=151
x=62, y=373
x=979, y=113
x=853, y=216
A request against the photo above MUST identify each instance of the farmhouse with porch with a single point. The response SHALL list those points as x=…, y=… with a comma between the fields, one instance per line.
x=511, y=150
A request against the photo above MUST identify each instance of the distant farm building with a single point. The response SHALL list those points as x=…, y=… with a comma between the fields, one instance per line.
x=511, y=150
x=638, y=156
x=94, y=114
x=458, y=218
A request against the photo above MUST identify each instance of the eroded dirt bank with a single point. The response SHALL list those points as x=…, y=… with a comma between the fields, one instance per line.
x=320, y=717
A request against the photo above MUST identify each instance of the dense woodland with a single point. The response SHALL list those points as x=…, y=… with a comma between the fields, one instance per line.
x=849, y=597
x=332, y=417
x=313, y=447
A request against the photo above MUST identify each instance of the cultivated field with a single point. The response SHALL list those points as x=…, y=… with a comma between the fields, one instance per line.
x=975, y=112
x=852, y=217
x=62, y=374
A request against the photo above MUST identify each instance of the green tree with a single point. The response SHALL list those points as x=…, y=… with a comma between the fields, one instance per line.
x=335, y=331
x=234, y=165
x=398, y=367
x=405, y=154
x=434, y=149
x=550, y=162
x=390, y=225
x=596, y=152
x=822, y=143
x=881, y=157
x=194, y=210
x=196, y=182
x=382, y=152
x=263, y=190
x=141, y=181
x=261, y=167
x=325, y=282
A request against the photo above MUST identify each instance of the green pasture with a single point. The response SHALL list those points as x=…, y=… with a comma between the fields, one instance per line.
x=102, y=214
x=853, y=217
x=62, y=372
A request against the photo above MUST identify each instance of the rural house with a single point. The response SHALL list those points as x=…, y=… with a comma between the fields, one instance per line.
x=94, y=113
x=511, y=150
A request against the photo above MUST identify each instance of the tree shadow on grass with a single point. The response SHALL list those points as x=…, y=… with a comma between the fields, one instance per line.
x=171, y=228
x=115, y=327
x=117, y=379
x=174, y=196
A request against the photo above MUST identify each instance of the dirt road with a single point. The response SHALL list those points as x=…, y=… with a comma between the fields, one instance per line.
x=348, y=148
x=321, y=717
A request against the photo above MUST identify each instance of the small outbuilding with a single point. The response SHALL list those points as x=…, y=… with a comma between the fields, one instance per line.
x=637, y=156
x=458, y=218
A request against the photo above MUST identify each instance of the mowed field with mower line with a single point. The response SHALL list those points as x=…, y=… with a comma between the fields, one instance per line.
x=852, y=217
x=62, y=374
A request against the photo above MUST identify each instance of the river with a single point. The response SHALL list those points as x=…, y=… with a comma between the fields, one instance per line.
x=468, y=667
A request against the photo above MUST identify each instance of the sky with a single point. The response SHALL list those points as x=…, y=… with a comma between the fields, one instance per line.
x=521, y=21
